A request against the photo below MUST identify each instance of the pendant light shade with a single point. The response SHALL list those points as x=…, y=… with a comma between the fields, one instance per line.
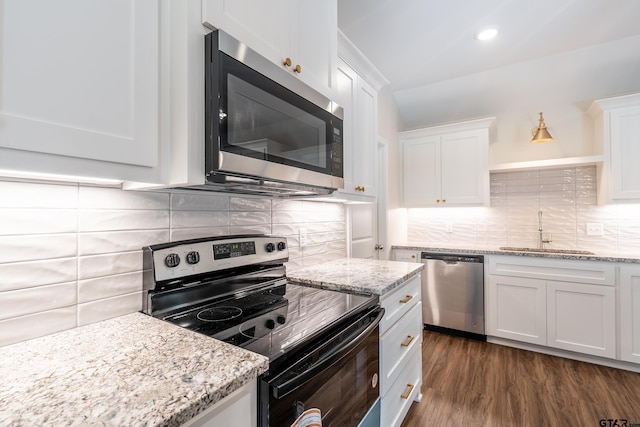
x=541, y=134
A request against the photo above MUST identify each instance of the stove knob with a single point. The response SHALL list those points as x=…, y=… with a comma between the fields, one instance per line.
x=270, y=247
x=193, y=257
x=172, y=260
x=281, y=246
x=281, y=319
x=270, y=324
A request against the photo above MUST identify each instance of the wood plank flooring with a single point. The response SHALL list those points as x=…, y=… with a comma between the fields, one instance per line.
x=473, y=383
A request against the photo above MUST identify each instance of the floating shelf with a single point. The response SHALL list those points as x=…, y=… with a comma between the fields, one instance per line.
x=548, y=164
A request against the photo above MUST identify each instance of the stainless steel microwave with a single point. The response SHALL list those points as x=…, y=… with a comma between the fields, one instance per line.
x=267, y=132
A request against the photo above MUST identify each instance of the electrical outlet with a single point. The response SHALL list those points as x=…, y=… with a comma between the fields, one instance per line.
x=302, y=237
x=448, y=227
x=594, y=229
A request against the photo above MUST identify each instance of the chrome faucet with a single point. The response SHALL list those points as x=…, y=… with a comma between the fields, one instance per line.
x=541, y=240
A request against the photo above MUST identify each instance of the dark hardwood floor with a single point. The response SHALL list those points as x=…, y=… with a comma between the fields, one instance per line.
x=472, y=383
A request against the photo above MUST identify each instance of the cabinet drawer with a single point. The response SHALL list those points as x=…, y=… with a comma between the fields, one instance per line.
x=396, y=403
x=399, y=302
x=398, y=344
x=593, y=272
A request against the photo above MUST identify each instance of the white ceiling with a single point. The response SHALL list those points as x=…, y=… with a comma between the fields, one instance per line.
x=427, y=49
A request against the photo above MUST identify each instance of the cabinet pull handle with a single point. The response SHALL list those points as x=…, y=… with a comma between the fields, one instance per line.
x=360, y=188
x=444, y=200
x=407, y=392
x=438, y=201
x=406, y=299
x=287, y=62
x=298, y=69
x=407, y=341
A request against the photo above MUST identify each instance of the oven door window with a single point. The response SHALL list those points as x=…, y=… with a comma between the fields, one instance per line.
x=343, y=391
x=261, y=119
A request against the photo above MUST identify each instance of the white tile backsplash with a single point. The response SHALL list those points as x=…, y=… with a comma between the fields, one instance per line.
x=71, y=255
x=32, y=300
x=14, y=222
x=567, y=198
x=109, y=286
x=20, y=275
x=36, y=325
x=108, y=264
x=108, y=308
x=38, y=246
x=119, y=241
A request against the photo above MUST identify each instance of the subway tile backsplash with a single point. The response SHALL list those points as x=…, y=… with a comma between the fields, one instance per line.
x=71, y=254
x=567, y=198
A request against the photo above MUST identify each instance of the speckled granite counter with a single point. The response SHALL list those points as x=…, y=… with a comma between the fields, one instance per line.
x=494, y=251
x=357, y=275
x=130, y=371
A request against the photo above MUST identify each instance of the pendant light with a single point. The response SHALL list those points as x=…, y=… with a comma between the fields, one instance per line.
x=541, y=134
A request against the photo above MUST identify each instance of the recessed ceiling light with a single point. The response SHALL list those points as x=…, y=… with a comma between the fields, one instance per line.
x=487, y=34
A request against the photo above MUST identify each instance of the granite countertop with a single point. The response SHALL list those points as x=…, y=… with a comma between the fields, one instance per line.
x=357, y=275
x=133, y=370
x=561, y=254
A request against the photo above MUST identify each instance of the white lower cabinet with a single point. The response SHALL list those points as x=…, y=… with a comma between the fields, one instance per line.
x=564, y=304
x=581, y=318
x=396, y=344
x=237, y=409
x=406, y=389
x=398, y=303
x=517, y=309
x=400, y=352
x=630, y=313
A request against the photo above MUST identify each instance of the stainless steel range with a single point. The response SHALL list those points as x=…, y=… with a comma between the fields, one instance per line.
x=322, y=345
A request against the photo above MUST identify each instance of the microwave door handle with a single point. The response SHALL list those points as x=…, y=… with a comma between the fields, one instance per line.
x=281, y=390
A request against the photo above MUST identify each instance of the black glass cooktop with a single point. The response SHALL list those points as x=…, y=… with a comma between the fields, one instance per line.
x=274, y=319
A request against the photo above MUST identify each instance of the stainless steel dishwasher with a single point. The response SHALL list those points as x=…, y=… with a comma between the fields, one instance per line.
x=453, y=294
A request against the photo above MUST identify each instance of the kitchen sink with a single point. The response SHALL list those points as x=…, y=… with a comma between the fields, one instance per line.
x=550, y=251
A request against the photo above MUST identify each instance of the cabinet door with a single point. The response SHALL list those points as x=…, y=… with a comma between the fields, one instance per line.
x=346, y=93
x=315, y=33
x=581, y=318
x=359, y=101
x=79, y=88
x=465, y=169
x=421, y=160
x=365, y=144
x=517, y=309
x=265, y=26
x=305, y=31
x=630, y=313
x=625, y=152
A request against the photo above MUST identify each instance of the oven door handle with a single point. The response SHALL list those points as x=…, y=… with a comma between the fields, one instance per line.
x=281, y=390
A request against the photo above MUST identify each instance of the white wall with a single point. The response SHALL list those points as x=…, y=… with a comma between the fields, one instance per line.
x=71, y=255
x=567, y=198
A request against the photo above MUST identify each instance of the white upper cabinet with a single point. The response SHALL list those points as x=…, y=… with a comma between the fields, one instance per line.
x=446, y=165
x=359, y=101
x=617, y=127
x=111, y=89
x=302, y=31
x=79, y=88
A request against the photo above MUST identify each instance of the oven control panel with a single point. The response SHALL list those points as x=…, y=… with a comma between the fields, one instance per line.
x=190, y=257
